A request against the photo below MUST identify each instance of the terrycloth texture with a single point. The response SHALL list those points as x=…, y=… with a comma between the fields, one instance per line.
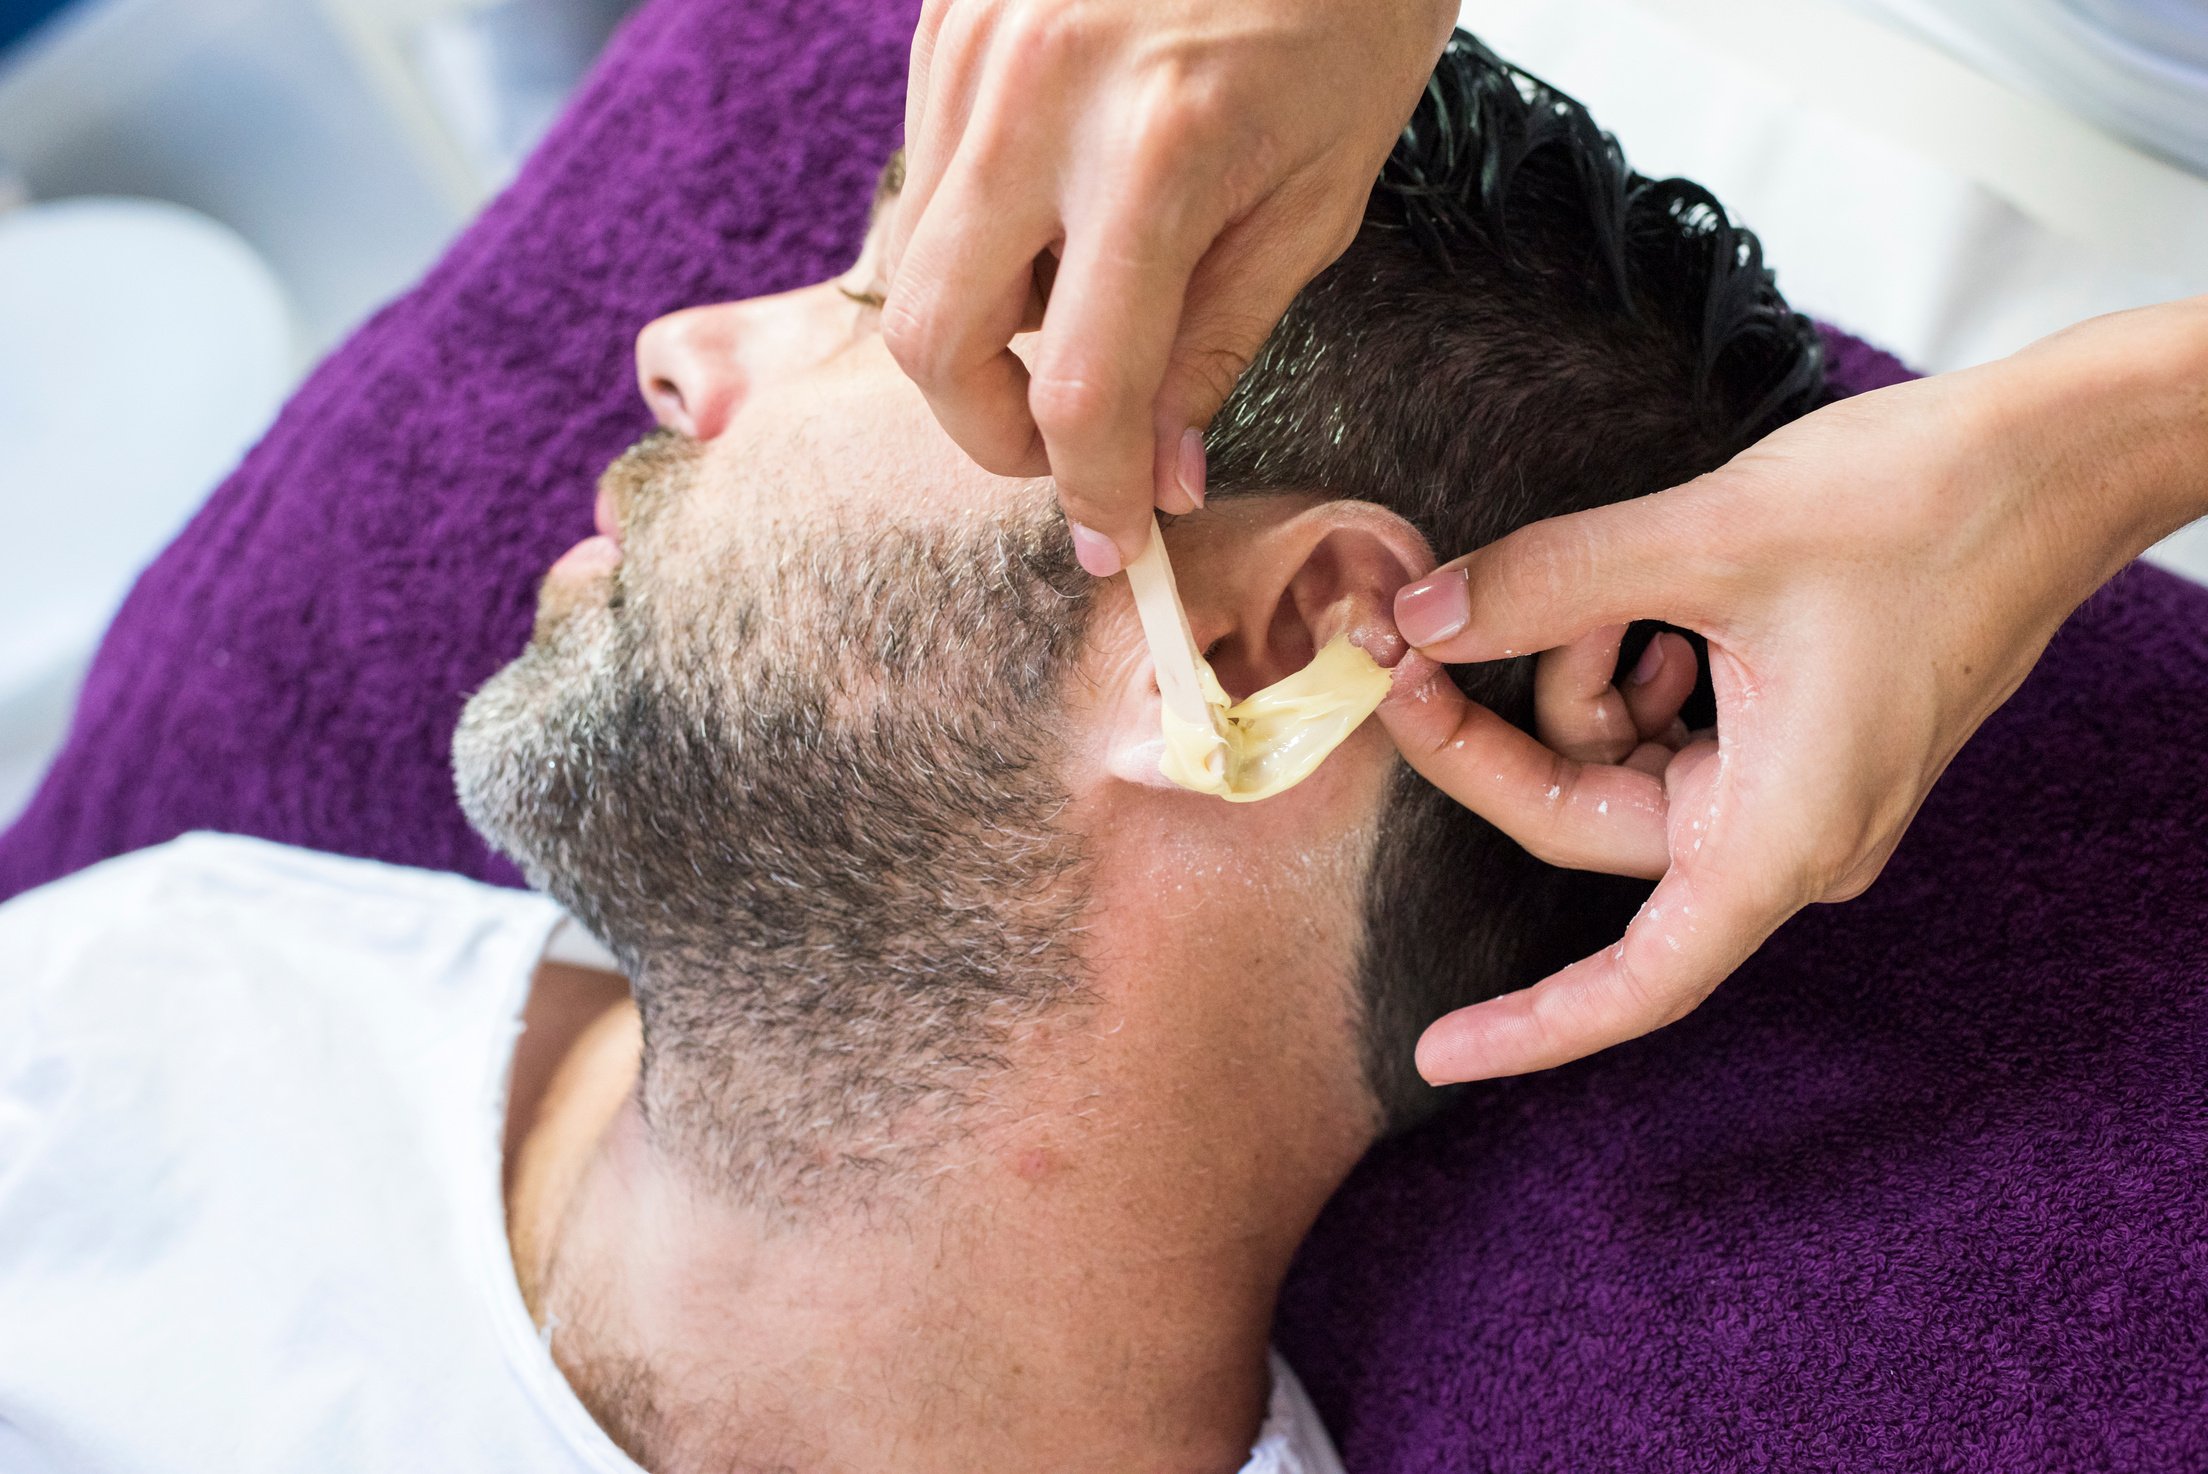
x=1922, y=1189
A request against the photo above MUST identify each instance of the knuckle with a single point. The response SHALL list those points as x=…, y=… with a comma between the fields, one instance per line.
x=1563, y=857
x=1204, y=376
x=1809, y=883
x=1192, y=108
x=1656, y=1000
x=1184, y=123
x=1646, y=1003
x=1848, y=887
x=1857, y=878
x=1686, y=1000
x=1842, y=853
x=1073, y=405
x=1542, y=845
x=1049, y=35
x=915, y=340
x=956, y=34
x=1544, y=837
x=1434, y=726
x=1558, y=777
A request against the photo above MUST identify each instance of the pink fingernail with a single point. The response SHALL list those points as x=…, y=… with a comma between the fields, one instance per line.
x=1651, y=661
x=1191, y=467
x=1434, y=608
x=1094, y=551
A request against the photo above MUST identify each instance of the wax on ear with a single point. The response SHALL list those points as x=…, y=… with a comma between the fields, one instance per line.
x=1277, y=737
x=1188, y=692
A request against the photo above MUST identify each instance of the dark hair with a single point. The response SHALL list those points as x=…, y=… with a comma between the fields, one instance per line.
x=1523, y=327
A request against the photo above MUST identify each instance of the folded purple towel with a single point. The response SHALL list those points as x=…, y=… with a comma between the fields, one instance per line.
x=1923, y=1188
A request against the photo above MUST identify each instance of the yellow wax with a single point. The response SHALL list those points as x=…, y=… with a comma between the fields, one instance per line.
x=1270, y=741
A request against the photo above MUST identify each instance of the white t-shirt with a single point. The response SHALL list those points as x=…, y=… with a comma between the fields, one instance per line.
x=251, y=1102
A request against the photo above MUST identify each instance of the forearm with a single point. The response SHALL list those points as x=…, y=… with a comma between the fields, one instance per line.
x=2113, y=413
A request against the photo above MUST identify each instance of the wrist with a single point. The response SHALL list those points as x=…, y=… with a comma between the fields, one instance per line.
x=2110, y=418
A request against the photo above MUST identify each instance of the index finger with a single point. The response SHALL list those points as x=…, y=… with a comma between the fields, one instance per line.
x=1107, y=336
x=960, y=294
x=1712, y=909
x=940, y=84
x=1583, y=816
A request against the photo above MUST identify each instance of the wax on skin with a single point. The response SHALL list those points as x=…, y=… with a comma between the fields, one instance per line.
x=1275, y=738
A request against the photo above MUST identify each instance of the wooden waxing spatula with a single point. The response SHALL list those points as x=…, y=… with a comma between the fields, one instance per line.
x=1193, y=738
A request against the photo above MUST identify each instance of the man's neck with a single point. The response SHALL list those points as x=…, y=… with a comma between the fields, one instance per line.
x=1090, y=1286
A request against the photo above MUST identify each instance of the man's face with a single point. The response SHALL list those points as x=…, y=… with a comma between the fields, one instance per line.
x=787, y=735
x=796, y=426
x=820, y=736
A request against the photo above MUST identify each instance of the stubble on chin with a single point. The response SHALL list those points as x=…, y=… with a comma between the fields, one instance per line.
x=560, y=600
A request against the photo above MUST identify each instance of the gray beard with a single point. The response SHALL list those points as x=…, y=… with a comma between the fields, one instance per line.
x=821, y=833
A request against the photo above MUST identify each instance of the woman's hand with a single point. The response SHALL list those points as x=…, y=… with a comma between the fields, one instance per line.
x=1873, y=579
x=1183, y=166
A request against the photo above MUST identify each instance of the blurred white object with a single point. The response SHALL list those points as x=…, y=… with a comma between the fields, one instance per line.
x=347, y=140
x=143, y=348
x=474, y=82
x=252, y=112
x=1937, y=211
x=2137, y=67
x=1900, y=194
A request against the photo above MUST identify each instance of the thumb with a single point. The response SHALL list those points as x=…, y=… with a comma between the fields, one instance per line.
x=1548, y=583
x=1236, y=296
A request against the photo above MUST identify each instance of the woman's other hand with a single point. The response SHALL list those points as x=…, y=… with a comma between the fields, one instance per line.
x=1873, y=580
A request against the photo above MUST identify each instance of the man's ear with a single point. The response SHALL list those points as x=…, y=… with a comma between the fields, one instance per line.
x=1267, y=581
x=1270, y=580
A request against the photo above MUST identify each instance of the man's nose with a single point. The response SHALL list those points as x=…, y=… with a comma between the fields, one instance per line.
x=696, y=366
x=688, y=366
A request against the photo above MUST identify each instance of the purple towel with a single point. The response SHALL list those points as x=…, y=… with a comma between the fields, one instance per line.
x=1924, y=1188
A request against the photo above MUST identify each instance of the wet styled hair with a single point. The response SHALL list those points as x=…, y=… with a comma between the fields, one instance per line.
x=1523, y=327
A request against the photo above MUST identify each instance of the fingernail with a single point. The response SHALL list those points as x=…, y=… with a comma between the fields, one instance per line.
x=1191, y=467
x=1094, y=551
x=1434, y=608
x=1651, y=661
x=1427, y=1060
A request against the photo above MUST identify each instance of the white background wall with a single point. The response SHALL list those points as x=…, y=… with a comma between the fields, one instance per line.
x=1899, y=193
